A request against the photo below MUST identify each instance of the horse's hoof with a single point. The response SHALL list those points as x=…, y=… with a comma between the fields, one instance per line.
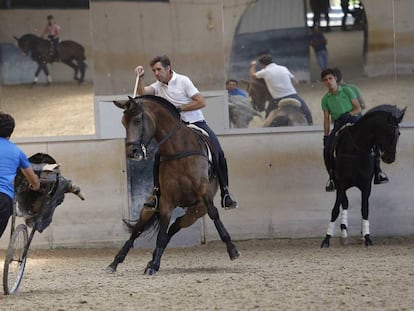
x=325, y=243
x=110, y=269
x=150, y=271
x=234, y=254
x=368, y=241
x=344, y=240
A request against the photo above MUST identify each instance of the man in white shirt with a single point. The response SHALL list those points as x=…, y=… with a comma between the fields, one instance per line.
x=280, y=83
x=181, y=92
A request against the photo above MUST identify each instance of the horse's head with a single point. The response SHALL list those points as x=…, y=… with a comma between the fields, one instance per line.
x=23, y=44
x=140, y=128
x=258, y=93
x=388, y=134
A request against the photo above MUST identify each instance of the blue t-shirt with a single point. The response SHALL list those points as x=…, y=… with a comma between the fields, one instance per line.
x=237, y=91
x=12, y=158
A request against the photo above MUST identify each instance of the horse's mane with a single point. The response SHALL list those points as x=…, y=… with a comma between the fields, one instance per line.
x=30, y=35
x=164, y=103
x=393, y=109
x=385, y=108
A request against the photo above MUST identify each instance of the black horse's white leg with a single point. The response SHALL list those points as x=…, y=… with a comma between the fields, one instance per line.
x=224, y=235
x=344, y=221
x=162, y=240
x=334, y=216
x=43, y=67
x=365, y=223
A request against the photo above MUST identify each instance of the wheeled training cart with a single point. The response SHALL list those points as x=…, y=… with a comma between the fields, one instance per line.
x=36, y=208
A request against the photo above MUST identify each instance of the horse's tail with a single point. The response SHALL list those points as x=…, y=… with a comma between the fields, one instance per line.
x=152, y=226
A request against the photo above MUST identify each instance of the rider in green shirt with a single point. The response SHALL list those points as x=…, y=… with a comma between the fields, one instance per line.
x=341, y=105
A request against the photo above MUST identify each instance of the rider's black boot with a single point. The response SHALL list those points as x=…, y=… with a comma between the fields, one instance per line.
x=380, y=178
x=330, y=185
x=227, y=201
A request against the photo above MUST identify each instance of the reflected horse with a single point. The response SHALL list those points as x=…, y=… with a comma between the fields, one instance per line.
x=71, y=53
x=354, y=162
x=288, y=110
x=185, y=174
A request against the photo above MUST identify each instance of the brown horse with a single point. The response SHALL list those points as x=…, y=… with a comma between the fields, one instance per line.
x=185, y=174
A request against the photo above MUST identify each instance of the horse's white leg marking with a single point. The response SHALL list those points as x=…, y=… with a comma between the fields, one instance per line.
x=49, y=78
x=344, y=232
x=35, y=79
x=331, y=228
x=365, y=227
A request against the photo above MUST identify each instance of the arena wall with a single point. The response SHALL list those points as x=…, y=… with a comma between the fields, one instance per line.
x=277, y=177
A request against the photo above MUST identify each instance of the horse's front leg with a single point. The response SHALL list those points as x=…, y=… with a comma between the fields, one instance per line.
x=365, y=223
x=146, y=219
x=344, y=222
x=36, y=75
x=224, y=235
x=162, y=240
x=334, y=216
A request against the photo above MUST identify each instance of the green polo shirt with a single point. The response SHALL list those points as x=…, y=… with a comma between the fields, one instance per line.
x=339, y=103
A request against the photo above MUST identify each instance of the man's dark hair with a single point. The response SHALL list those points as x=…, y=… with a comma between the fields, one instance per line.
x=265, y=59
x=328, y=71
x=6, y=125
x=49, y=17
x=163, y=59
x=231, y=80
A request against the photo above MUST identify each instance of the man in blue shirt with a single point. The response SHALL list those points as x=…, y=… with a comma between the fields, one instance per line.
x=232, y=89
x=12, y=158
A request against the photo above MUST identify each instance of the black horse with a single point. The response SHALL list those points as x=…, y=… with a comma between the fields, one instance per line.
x=71, y=53
x=354, y=162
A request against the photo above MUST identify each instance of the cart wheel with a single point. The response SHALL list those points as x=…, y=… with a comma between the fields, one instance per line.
x=15, y=260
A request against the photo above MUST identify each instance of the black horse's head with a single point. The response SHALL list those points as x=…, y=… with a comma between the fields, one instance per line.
x=140, y=128
x=24, y=43
x=389, y=133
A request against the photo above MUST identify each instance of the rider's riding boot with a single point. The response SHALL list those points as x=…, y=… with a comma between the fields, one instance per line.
x=153, y=200
x=227, y=201
x=330, y=185
x=380, y=178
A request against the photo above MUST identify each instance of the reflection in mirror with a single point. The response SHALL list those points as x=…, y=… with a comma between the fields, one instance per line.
x=371, y=47
x=47, y=68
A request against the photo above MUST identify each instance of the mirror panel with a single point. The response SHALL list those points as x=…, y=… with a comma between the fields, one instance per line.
x=209, y=41
x=60, y=105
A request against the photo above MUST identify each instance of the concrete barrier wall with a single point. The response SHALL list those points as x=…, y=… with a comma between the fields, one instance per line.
x=278, y=179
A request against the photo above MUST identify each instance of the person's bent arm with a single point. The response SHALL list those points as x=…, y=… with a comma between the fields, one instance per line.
x=357, y=107
x=198, y=102
x=252, y=70
x=141, y=88
x=31, y=178
x=326, y=123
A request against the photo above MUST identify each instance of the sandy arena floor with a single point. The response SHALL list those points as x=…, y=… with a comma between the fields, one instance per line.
x=269, y=275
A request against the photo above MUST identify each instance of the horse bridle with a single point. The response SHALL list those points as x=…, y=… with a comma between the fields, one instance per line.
x=144, y=146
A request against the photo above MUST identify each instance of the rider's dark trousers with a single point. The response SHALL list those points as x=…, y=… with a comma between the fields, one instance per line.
x=221, y=163
x=6, y=210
